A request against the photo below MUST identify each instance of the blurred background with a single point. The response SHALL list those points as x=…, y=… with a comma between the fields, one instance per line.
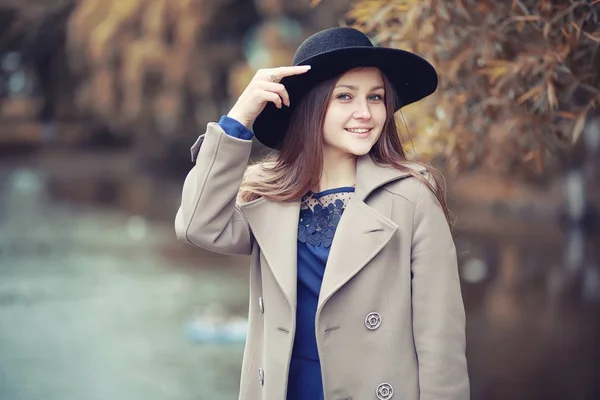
x=100, y=101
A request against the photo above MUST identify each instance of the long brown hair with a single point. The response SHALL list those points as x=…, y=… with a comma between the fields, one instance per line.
x=297, y=168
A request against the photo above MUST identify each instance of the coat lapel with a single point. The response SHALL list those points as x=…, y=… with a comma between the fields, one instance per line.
x=362, y=231
x=360, y=235
x=275, y=228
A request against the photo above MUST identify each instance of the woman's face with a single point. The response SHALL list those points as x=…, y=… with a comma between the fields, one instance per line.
x=356, y=112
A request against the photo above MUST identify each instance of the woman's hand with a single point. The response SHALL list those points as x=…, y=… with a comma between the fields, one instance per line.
x=264, y=87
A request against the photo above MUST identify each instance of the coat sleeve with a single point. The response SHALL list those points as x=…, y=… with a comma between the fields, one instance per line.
x=208, y=216
x=438, y=309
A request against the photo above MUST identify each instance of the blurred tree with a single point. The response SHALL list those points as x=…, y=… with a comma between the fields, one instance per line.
x=517, y=78
x=36, y=31
x=154, y=66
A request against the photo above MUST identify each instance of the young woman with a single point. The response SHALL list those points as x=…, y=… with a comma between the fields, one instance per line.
x=354, y=288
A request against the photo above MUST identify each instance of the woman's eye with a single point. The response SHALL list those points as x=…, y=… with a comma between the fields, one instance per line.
x=346, y=96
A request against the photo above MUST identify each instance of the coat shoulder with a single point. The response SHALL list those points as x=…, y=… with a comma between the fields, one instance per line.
x=408, y=187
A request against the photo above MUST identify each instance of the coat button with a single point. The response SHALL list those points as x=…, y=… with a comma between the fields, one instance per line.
x=261, y=305
x=261, y=376
x=385, y=391
x=373, y=321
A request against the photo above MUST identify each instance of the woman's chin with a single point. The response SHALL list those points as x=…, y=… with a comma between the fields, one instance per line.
x=352, y=149
x=360, y=150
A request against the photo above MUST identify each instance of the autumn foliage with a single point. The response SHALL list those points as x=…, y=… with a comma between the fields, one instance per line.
x=151, y=65
x=517, y=78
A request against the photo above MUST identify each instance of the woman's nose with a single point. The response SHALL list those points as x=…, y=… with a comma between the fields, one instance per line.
x=362, y=110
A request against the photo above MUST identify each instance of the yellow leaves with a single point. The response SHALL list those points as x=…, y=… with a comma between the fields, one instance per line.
x=566, y=114
x=592, y=37
x=363, y=12
x=551, y=94
x=507, y=78
x=562, y=53
x=442, y=10
x=462, y=10
x=496, y=70
x=546, y=30
x=154, y=24
x=377, y=12
x=525, y=18
x=577, y=30
x=535, y=94
x=578, y=127
x=536, y=156
x=378, y=17
x=156, y=43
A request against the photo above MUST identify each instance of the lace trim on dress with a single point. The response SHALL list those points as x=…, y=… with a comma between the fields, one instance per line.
x=320, y=214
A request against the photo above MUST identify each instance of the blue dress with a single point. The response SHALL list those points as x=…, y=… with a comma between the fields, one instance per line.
x=320, y=214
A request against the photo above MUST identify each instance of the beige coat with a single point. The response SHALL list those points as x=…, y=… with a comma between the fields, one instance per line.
x=390, y=322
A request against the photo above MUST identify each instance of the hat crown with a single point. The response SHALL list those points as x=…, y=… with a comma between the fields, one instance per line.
x=329, y=40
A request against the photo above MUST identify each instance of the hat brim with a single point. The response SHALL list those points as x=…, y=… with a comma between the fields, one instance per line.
x=412, y=77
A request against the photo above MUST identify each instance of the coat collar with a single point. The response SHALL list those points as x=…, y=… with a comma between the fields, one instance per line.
x=362, y=229
x=371, y=176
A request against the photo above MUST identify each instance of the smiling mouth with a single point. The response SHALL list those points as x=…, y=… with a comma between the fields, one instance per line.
x=359, y=132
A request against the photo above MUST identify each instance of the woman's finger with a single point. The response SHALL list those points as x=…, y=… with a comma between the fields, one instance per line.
x=272, y=97
x=276, y=88
x=276, y=74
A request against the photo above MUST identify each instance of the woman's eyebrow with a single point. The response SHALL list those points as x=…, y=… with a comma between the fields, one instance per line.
x=352, y=87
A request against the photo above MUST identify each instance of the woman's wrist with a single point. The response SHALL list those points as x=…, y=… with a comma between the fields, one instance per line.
x=232, y=114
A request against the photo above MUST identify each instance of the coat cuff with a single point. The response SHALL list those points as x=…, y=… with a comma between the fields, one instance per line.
x=234, y=128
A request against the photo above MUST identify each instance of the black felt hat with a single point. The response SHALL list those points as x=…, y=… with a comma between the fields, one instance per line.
x=332, y=52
